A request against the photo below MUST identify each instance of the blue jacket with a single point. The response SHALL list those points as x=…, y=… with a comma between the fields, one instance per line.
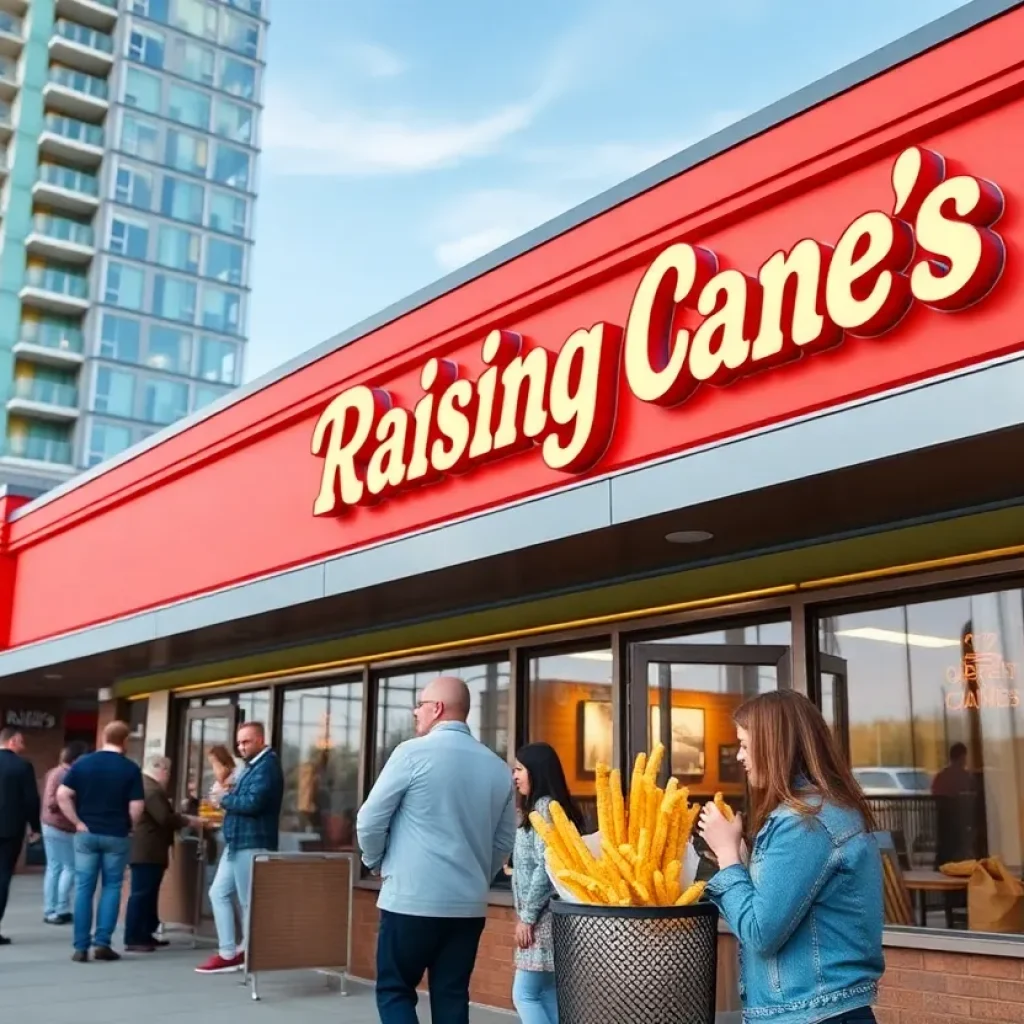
x=253, y=806
x=808, y=916
x=439, y=824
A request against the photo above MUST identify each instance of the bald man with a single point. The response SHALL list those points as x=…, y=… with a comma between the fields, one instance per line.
x=438, y=826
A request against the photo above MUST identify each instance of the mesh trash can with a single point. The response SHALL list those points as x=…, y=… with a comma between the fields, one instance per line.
x=635, y=965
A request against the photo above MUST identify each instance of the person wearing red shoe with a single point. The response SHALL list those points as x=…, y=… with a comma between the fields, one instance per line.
x=252, y=809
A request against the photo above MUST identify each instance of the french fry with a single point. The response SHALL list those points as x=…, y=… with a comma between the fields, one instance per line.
x=641, y=894
x=675, y=822
x=581, y=892
x=619, y=834
x=552, y=840
x=636, y=800
x=654, y=763
x=571, y=837
x=604, y=799
x=629, y=852
x=652, y=802
x=623, y=866
x=724, y=808
x=673, y=875
x=686, y=830
x=692, y=894
x=660, y=890
x=661, y=828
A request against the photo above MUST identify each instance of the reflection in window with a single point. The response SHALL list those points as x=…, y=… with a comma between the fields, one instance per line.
x=134, y=187
x=931, y=695
x=115, y=392
x=570, y=707
x=193, y=60
x=227, y=213
x=119, y=338
x=105, y=441
x=165, y=401
x=189, y=106
x=221, y=310
x=182, y=200
x=397, y=694
x=319, y=748
x=254, y=706
x=140, y=138
x=178, y=249
x=224, y=260
x=124, y=286
x=231, y=166
x=129, y=237
x=168, y=349
x=238, y=78
x=187, y=153
x=142, y=90
x=233, y=120
x=174, y=298
x=218, y=360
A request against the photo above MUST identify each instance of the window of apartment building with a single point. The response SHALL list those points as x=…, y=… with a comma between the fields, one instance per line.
x=105, y=441
x=182, y=200
x=189, y=106
x=233, y=120
x=231, y=166
x=187, y=153
x=124, y=286
x=320, y=746
x=142, y=90
x=204, y=396
x=249, y=6
x=239, y=34
x=165, y=401
x=194, y=16
x=928, y=696
x=224, y=260
x=221, y=310
x=146, y=46
x=168, y=349
x=119, y=338
x=155, y=9
x=129, y=237
x=193, y=61
x=218, y=360
x=115, y=392
x=174, y=298
x=140, y=138
x=134, y=187
x=178, y=249
x=237, y=78
x=228, y=213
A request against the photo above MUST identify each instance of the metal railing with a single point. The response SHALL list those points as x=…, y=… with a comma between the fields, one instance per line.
x=72, y=128
x=39, y=449
x=63, y=228
x=70, y=179
x=79, y=81
x=61, y=282
x=84, y=36
x=53, y=335
x=46, y=392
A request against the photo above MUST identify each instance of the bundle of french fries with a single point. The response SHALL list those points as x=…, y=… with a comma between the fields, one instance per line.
x=643, y=845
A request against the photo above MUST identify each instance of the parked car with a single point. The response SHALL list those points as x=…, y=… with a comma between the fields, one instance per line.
x=886, y=781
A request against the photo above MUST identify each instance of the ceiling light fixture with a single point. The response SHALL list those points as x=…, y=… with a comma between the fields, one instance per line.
x=893, y=636
x=688, y=536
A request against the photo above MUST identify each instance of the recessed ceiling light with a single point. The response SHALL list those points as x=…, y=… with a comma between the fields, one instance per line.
x=688, y=536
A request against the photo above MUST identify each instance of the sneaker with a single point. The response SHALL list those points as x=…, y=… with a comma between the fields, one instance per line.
x=80, y=956
x=64, y=918
x=219, y=965
x=160, y=943
x=105, y=953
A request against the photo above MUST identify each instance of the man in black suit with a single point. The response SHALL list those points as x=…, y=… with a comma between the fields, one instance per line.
x=19, y=809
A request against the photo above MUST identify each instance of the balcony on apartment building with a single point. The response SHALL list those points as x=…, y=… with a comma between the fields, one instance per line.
x=33, y=448
x=80, y=47
x=51, y=342
x=67, y=138
x=6, y=121
x=60, y=238
x=76, y=93
x=65, y=189
x=8, y=79
x=44, y=398
x=101, y=14
x=53, y=290
x=12, y=34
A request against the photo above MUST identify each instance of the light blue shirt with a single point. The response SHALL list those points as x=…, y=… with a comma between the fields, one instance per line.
x=439, y=824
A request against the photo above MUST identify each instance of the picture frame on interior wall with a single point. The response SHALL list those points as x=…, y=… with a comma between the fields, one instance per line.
x=687, y=740
x=730, y=771
x=593, y=736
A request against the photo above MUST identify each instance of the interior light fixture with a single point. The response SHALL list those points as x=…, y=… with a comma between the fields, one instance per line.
x=592, y=655
x=688, y=536
x=894, y=636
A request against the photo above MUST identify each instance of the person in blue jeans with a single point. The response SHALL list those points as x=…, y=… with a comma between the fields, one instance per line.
x=59, y=842
x=102, y=796
x=252, y=809
x=807, y=905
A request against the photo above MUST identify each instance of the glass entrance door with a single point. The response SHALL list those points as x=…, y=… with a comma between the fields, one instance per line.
x=832, y=696
x=205, y=728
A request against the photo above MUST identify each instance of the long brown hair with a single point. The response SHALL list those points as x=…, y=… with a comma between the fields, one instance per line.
x=223, y=757
x=790, y=741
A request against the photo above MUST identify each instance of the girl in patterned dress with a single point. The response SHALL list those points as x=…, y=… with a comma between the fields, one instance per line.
x=539, y=779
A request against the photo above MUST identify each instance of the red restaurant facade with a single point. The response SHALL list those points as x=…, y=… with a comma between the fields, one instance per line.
x=752, y=419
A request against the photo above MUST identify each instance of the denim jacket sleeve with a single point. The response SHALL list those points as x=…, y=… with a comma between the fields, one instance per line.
x=374, y=818
x=795, y=860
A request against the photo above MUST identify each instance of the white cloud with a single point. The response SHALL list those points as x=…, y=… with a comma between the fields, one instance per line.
x=373, y=60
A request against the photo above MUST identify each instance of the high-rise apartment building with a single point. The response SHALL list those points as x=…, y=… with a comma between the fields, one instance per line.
x=130, y=136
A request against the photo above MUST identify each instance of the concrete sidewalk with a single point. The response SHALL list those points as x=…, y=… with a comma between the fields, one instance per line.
x=40, y=985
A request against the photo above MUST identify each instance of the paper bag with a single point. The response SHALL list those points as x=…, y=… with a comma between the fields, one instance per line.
x=995, y=899
x=593, y=842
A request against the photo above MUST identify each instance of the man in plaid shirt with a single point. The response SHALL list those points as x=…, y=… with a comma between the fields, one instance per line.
x=252, y=810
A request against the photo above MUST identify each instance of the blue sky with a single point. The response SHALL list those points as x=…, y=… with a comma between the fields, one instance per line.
x=403, y=138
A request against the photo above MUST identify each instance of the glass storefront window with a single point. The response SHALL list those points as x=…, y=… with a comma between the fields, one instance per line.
x=397, y=693
x=320, y=747
x=930, y=698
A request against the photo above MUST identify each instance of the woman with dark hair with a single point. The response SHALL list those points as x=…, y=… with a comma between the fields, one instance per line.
x=539, y=779
x=808, y=909
x=58, y=842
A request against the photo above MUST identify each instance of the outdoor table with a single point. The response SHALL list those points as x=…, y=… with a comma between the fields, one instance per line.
x=923, y=882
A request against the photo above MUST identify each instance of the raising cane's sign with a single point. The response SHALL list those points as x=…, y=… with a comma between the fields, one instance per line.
x=937, y=248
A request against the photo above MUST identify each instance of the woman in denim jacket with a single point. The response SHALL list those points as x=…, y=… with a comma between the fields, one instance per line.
x=808, y=911
x=539, y=779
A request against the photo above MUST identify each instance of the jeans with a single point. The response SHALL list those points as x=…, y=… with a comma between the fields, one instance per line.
x=141, y=916
x=60, y=871
x=10, y=851
x=98, y=860
x=535, y=998
x=234, y=872
x=865, y=1015
x=407, y=948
